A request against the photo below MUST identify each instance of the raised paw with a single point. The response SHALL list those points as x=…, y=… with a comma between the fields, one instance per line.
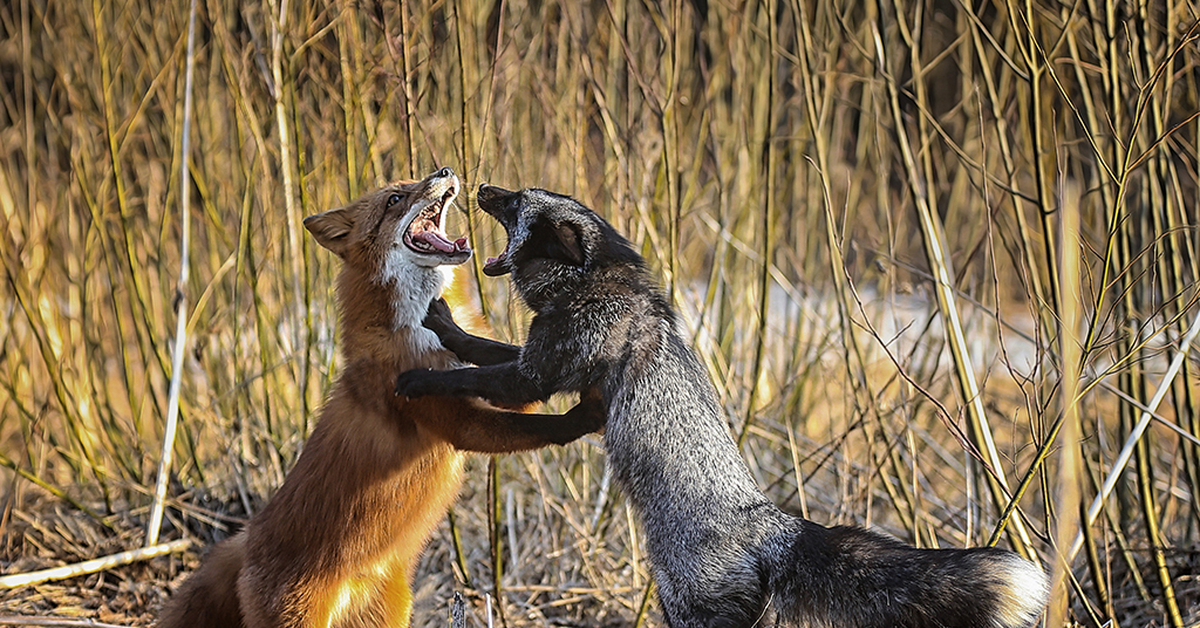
x=416, y=383
x=439, y=319
x=590, y=413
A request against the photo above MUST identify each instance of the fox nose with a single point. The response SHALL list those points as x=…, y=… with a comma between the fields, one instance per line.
x=445, y=172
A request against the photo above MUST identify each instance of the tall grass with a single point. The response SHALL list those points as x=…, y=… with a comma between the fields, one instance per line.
x=936, y=256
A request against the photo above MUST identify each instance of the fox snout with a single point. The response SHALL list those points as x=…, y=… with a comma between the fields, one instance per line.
x=492, y=198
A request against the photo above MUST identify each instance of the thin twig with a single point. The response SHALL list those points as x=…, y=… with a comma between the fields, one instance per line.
x=65, y=622
x=933, y=237
x=92, y=566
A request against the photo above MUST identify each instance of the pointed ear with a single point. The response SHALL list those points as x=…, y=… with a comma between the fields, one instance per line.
x=568, y=245
x=331, y=229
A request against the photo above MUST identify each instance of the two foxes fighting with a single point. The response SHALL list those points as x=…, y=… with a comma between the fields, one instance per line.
x=337, y=549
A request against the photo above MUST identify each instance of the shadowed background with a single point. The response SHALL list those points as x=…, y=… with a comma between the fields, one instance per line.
x=896, y=231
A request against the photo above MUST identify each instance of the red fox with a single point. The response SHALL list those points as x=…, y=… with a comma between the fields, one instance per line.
x=337, y=544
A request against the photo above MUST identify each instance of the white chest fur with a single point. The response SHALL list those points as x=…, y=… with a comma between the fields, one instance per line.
x=413, y=287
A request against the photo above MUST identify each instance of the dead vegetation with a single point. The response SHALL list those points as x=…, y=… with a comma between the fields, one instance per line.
x=897, y=232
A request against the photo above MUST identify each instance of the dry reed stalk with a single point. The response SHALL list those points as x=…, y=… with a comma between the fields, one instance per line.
x=181, y=300
x=1069, y=343
x=768, y=154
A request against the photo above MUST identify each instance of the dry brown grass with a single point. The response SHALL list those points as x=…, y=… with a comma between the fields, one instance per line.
x=799, y=173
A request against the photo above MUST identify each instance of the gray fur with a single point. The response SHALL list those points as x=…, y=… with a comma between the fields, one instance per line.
x=722, y=553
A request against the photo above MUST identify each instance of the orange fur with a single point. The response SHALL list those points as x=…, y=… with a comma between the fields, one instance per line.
x=337, y=544
x=459, y=295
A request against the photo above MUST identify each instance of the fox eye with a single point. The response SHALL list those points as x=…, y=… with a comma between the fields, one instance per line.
x=393, y=199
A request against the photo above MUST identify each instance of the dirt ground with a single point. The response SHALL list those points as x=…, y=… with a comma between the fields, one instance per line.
x=43, y=532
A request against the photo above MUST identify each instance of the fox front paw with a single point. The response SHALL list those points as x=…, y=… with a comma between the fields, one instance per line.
x=440, y=320
x=590, y=420
x=590, y=414
x=415, y=383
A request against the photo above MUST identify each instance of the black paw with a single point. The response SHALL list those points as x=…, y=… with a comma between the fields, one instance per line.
x=590, y=414
x=439, y=319
x=415, y=383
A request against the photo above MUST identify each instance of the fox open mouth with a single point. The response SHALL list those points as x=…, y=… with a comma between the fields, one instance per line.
x=496, y=266
x=425, y=235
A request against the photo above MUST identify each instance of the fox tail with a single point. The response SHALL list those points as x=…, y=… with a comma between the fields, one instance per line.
x=208, y=598
x=849, y=576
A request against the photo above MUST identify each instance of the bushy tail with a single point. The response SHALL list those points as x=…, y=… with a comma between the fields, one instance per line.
x=208, y=598
x=851, y=577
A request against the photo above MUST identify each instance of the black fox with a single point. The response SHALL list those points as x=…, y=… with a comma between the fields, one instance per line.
x=722, y=553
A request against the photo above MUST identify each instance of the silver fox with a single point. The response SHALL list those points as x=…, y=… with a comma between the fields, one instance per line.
x=722, y=553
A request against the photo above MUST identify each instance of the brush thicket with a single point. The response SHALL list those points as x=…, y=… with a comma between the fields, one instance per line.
x=934, y=256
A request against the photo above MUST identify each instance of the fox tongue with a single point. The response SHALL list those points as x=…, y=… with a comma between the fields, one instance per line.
x=496, y=266
x=439, y=242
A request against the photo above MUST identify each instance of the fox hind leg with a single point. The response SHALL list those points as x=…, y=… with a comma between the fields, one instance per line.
x=395, y=600
x=299, y=603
